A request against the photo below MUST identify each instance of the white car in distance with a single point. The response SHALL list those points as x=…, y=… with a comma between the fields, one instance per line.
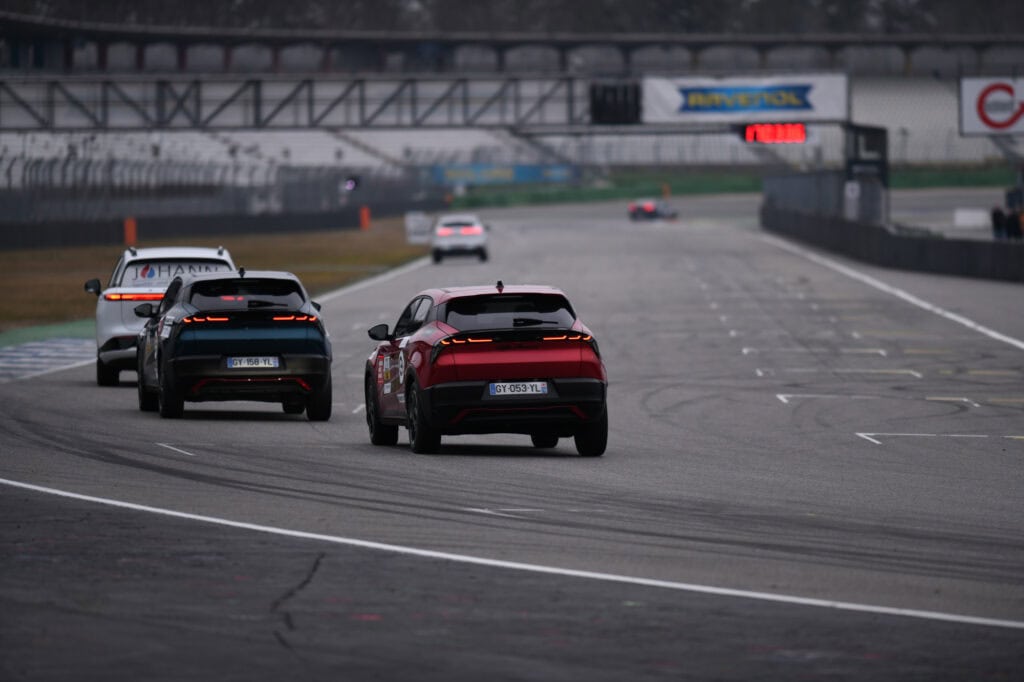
x=140, y=275
x=459, y=234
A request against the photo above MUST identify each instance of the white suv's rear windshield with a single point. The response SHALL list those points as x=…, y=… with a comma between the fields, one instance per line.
x=246, y=294
x=159, y=273
x=510, y=311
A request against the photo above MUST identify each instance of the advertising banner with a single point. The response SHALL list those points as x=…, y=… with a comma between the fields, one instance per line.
x=804, y=98
x=991, y=106
x=501, y=174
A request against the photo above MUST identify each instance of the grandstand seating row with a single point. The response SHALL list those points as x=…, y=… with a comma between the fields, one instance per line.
x=306, y=58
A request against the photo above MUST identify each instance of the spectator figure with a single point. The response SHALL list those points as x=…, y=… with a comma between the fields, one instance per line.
x=998, y=223
x=1013, y=229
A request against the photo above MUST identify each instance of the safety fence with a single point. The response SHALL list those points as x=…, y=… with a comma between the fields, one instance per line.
x=289, y=199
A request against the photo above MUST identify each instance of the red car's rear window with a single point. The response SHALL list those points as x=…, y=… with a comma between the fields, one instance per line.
x=509, y=311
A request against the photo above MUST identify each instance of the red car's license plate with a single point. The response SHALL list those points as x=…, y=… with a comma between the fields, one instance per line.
x=520, y=388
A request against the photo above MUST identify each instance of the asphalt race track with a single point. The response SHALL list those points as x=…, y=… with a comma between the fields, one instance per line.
x=814, y=471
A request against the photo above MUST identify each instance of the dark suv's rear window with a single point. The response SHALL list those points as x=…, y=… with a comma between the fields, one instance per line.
x=246, y=294
x=510, y=311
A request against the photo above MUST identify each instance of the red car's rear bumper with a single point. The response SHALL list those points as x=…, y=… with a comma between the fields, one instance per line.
x=467, y=407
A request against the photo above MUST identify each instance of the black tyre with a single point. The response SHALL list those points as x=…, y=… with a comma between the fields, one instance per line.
x=483, y=255
x=320, y=402
x=423, y=438
x=169, y=399
x=544, y=441
x=148, y=401
x=293, y=408
x=106, y=376
x=380, y=434
x=436, y=256
x=592, y=439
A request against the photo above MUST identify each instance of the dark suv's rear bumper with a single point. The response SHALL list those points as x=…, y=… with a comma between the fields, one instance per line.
x=203, y=377
x=467, y=407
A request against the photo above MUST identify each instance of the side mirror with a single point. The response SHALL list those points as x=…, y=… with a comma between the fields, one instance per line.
x=316, y=305
x=93, y=287
x=378, y=332
x=144, y=310
x=487, y=227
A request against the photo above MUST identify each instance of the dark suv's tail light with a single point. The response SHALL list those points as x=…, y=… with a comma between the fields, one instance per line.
x=203, y=318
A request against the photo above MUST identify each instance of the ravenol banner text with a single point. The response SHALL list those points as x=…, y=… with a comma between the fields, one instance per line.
x=811, y=97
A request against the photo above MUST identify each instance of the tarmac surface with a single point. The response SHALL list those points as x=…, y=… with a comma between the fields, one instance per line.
x=814, y=472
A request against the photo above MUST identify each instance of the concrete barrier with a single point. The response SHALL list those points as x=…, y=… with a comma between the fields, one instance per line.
x=875, y=244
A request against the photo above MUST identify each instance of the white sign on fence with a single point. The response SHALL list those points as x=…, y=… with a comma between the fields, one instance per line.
x=991, y=106
x=417, y=227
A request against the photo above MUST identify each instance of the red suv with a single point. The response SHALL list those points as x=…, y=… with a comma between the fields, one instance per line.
x=487, y=359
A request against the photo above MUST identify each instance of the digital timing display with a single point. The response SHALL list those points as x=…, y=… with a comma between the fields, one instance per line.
x=775, y=133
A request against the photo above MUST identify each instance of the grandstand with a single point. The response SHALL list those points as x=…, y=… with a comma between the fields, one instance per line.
x=921, y=115
x=417, y=147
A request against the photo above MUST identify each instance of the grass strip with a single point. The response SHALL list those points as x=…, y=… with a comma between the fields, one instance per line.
x=47, y=284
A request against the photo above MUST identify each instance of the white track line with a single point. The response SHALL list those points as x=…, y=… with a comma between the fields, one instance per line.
x=376, y=279
x=52, y=370
x=171, y=447
x=889, y=289
x=870, y=436
x=785, y=398
x=537, y=568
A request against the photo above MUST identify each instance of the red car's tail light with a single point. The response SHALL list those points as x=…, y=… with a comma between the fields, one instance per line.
x=441, y=344
x=472, y=229
x=588, y=339
x=449, y=341
x=133, y=297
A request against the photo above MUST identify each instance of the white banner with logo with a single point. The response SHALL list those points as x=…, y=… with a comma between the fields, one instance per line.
x=803, y=98
x=991, y=106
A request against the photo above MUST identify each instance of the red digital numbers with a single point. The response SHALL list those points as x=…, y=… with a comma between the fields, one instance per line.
x=775, y=133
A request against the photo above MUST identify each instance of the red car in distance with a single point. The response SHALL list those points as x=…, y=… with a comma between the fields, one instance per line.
x=487, y=359
x=651, y=209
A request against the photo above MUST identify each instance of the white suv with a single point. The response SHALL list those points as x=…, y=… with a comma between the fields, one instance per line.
x=140, y=275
